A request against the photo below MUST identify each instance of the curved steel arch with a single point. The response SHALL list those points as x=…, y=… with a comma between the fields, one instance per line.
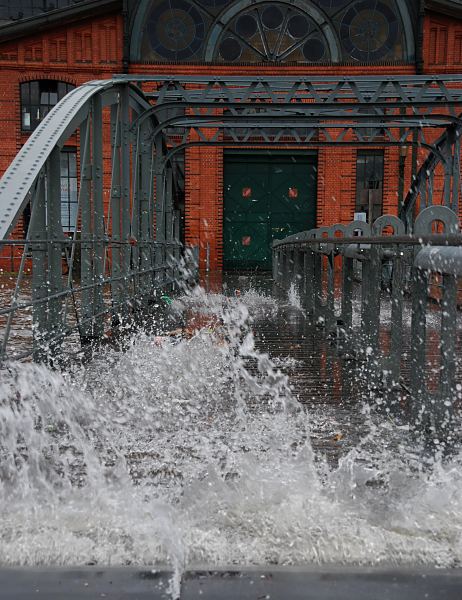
x=446, y=152
x=119, y=248
x=54, y=131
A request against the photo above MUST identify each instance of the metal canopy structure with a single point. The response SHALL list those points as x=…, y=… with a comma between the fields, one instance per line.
x=126, y=239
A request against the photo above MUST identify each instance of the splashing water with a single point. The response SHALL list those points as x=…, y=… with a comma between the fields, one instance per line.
x=293, y=296
x=194, y=451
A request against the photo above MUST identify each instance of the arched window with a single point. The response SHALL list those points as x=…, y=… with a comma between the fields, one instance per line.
x=275, y=31
x=38, y=98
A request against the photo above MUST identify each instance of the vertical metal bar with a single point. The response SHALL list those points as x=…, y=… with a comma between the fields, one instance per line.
x=330, y=301
x=431, y=176
x=125, y=223
x=280, y=274
x=84, y=145
x=423, y=193
x=317, y=281
x=448, y=340
x=347, y=294
x=456, y=175
x=290, y=267
x=116, y=193
x=397, y=293
x=98, y=216
x=160, y=209
x=55, y=324
x=274, y=264
x=135, y=212
x=169, y=221
x=177, y=253
x=144, y=199
x=365, y=277
x=298, y=271
x=39, y=270
x=375, y=271
x=309, y=281
x=447, y=180
x=418, y=340
x=86, y=249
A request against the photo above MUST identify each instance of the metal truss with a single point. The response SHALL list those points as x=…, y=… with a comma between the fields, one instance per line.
x=307, y=259
x=123, y=246
x=416, y=111
x=125, y=243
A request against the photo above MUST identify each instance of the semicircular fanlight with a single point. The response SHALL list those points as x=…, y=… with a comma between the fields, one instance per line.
x=272, y=32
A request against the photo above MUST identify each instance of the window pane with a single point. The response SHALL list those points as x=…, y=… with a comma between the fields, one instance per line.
x=26, y=119
x=64, y=165
x=25, y=93
x=53, y=98
x=369, y=184
x=72, y=156
x=34, y=92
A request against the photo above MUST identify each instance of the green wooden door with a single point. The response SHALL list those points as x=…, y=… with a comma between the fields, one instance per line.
x=266, y=197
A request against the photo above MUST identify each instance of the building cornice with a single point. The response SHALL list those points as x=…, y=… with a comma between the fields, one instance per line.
x=60, y=16
x=451, y=8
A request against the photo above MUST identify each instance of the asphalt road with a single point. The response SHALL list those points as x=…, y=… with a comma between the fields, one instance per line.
x=247, y=584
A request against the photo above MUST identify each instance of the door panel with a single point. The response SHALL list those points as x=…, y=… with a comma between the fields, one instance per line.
x=266, y=197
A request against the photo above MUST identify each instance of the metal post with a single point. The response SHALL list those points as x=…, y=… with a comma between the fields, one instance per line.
x=285, y=268
x=135, y=215
x=125, y=151
x=117, y=286
x=86, y=260
x=280, y=263
x=456, y=176
x=274, y=264
x=98, y=216
x=169, y=223
x=55, y=324
x=330, y=300
x=396, y=348
x=347, y=295
x=145, y=199
x=160, y=209
x=177, y=251
x=448, y=340
x=39, y=270
x=317, y=284
x=298, y=271
x=375, y=271
x=309, y=281
x=418, y=340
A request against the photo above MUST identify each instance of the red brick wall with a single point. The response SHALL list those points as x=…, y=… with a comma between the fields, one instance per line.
x=442, y=44
x=92, y=49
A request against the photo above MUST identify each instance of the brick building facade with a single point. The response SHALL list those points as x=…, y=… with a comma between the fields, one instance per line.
x=45, y=46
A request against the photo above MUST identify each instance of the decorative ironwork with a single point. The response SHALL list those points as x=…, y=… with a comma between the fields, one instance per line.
x=306, y=260
x=273, y=32
x=301, y=31
x=131, y=249
x=369, y=30
x=176, y=29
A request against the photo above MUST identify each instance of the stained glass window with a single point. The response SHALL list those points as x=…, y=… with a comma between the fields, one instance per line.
x=261, y=31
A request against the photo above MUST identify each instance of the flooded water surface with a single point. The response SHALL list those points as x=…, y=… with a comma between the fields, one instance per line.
x=225, y=442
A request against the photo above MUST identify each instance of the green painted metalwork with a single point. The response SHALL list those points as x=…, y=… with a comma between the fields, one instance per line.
x=359, y=326
x=126, y=246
